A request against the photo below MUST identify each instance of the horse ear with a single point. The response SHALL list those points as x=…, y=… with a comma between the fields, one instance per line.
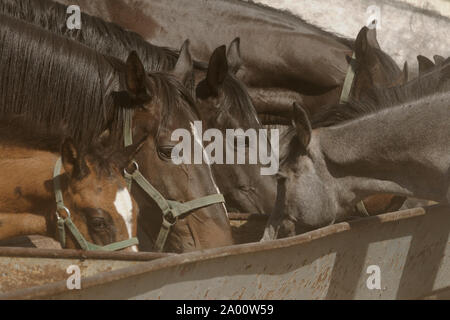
x=405, y=72
x=365, y=42
x=234, y=56
x=72, y=160
x=135, y=79
x=217, y=69
x=302, y=125
x=425, y=64
x=438, y=60
x=184, y=66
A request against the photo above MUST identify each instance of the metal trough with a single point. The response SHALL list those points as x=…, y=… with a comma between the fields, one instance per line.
x=411, y=249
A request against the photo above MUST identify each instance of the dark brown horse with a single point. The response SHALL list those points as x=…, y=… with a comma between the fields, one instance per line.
x=55, y=80
x=244, y=188
x=91, y=183
x=312, y=63
x=243, y=185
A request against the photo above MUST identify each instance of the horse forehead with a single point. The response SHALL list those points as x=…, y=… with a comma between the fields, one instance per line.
x=123, y=202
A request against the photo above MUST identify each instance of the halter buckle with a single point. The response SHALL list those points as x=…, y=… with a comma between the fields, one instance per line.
x=169, y=220
x=65, y=209
x=136, y=168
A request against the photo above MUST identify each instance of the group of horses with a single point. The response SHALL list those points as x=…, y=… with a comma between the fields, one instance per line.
x=86, y=118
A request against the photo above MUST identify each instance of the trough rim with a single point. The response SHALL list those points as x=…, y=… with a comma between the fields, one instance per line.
x=48, y=290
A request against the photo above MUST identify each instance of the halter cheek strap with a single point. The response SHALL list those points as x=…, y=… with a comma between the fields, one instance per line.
x=171, y=210
x=348, y=82
x=63, y=223
x=345, y=97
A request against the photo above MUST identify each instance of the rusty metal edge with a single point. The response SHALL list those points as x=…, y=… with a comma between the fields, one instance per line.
x=79, y=254
x=49, y=290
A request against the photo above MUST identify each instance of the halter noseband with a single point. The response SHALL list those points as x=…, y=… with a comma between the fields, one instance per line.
x=171, y=210
x=67, y=222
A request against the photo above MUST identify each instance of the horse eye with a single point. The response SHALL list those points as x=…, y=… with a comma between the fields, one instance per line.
x=98, y=223
x=165, y=152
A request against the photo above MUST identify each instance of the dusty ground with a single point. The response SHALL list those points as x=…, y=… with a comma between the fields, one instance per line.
x=408, y=27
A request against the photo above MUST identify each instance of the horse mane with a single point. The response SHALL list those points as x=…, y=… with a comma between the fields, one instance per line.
x=102, y=36
x=59, y=80
x=387, y=62
x=237, y=102
x=383, y=98
x=18, y=131
x=173, y=96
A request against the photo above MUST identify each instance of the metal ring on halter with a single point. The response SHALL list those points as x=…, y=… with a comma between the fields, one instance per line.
x=67, y=211
x=136, y=166
x=168, y=222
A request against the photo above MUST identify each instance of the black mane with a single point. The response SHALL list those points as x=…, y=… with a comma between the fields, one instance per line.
x=105, y=37
x=237, y=102
x=51, y=79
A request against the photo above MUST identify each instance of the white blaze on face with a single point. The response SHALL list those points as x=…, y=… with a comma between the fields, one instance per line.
x=199, y=140
x=124, y=207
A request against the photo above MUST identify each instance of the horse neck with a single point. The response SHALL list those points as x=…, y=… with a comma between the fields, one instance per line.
x=403, y=150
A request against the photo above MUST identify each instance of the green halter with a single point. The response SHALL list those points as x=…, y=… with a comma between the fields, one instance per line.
x=171, y=210
x=68, y=223
x=345, y=97
x=348, y=82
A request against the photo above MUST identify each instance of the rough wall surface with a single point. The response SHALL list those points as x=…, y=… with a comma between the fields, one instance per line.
x=408, y=27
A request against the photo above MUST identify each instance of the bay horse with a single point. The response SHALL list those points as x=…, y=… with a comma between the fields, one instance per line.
x=244, y=189
x=54, y=80
x=95, y=212
x=399, y=148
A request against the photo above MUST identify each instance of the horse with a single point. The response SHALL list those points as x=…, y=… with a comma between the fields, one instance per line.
x=55, y=80
x=95, y=212
x=311, y=66
x=244, y=189
x=400, y=148
x=370, y=67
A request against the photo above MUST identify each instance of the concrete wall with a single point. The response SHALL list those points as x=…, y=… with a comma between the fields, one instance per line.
x=408, y=27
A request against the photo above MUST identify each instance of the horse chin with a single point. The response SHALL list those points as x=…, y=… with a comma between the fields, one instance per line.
x=286, y=229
